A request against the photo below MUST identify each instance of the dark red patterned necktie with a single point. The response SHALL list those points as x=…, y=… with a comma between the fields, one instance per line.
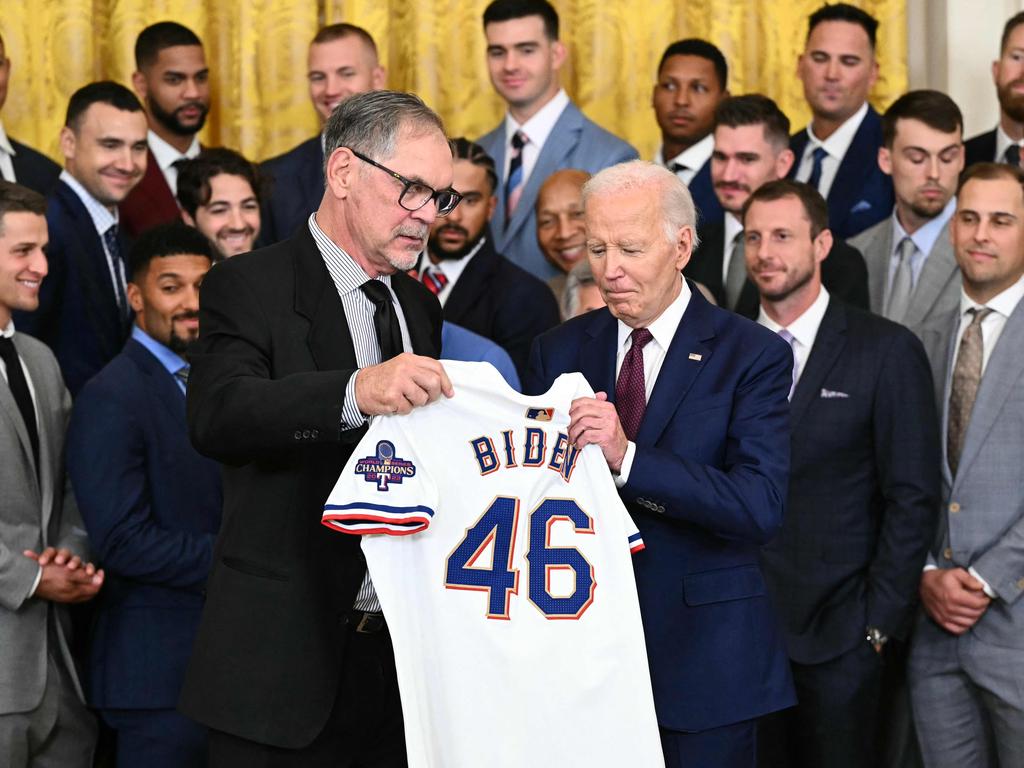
x=630, y=390
x=434, y=279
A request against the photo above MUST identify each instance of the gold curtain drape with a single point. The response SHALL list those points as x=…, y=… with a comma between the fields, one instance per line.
x=256, y=50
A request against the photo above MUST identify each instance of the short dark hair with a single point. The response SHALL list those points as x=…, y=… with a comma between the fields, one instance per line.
x=848, y=13
x=933, y=108
x=175, y=238
x=102, y=92
x=341, y=30
x=813, y=203
x=156, y=37
x=506, y=10
x=15, y=198
x=464, y=149
x=991, y=172
x=694, y=46
x=1011, y=24
x=755, y=109
x=194, y=176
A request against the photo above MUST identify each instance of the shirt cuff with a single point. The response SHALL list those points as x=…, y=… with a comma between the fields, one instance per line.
x=930, y=567
x=351, y=417
x=35, y=584
x=622, y=477
x=984, y=584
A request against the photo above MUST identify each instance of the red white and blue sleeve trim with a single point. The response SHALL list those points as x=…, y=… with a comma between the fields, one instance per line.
x=636, y=543
x=360, y=518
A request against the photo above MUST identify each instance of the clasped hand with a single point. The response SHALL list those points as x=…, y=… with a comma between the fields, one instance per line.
x=65, y=579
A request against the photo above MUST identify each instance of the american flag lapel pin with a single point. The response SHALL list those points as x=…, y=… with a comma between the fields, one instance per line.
x=695, y=356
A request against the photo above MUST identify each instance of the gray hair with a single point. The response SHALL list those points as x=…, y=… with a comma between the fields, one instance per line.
x=677, y=206
x=369, y=123
x=579, y=277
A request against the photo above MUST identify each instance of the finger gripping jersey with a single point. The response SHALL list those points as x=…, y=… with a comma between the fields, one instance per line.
x=501, y=556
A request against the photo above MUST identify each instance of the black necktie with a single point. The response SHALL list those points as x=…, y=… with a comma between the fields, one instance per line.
x=819, y=154
x=113, y=244
x=1012, y=156
x=385, y=319
x=19, y=389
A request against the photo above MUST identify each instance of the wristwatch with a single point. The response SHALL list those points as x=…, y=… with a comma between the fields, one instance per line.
x=877, y=637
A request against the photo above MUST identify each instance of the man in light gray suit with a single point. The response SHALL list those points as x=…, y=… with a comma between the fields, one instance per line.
x=542, y=132
x=967, y=658
x=912, y=275
x=43, y=720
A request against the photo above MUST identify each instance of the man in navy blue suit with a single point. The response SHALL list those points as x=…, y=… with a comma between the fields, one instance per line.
x=1003, y=143
x=342, y=62
x=18, y=163
x=692, y=418
x=83, y=313
x=837, y=152
x=542, y=132
x=151, y=505
x=863, y=488
x=692, y=81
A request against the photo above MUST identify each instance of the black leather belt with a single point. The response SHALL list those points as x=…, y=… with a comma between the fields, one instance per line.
x=367, y=623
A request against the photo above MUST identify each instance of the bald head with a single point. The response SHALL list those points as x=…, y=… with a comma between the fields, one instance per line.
x=560, y=231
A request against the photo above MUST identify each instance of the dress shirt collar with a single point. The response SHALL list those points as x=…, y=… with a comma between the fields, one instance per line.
x=166, y=155
x=452, y=268
x=538, y=127
x=167, y=357
x=733, y=227
x=692, y=158
x=5, y=143
x=663, y=329
x=345, y=272
x=8, y=330
x=805, y=328
x=1002, y=142
x=841, y=139
x=102, y=217
x=926, y=235
x=1004, y=303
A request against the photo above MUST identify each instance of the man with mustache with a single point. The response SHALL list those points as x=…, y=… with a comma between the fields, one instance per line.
x=151, y=505
x=172, y=80
x=912, y=273
x=836, y=153
x=692, y=81
x=479, y=288
x=219, y=193
x=84, y=314
x=751, y=148
x=1002, y=144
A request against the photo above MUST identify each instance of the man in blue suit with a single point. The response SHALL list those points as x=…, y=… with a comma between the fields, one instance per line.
x=692, y=80
x=83, y=313
x=342, y=62
x=692, y=418
x=837, y=153
x=151, y=505
x=542, y=132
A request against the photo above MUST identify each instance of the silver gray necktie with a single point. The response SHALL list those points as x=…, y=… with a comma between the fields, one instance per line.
x=902, y=287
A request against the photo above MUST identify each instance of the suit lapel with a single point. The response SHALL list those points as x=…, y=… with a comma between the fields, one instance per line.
x=495, y=143
x=317, y=300
x=828, y=346
x=939, y=268
x=686, y=356
x=9, y=409
x=410, y=295
x=852, y=170
x=878, y=254
x=469, y=288
x=597, y=356
x=160, y=379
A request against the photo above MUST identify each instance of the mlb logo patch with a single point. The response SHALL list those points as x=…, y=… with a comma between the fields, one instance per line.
x=540, y=414
x=385, y=467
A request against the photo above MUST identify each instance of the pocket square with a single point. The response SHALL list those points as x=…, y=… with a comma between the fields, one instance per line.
x=831, y=394
x=863, y=205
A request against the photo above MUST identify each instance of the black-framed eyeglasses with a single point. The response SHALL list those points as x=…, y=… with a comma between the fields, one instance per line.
x=416, y=194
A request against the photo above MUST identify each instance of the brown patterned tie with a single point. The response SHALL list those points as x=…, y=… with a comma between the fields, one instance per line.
x=966, y=380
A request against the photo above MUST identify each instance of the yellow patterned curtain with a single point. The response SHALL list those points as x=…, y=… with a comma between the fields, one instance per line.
x=256, y=50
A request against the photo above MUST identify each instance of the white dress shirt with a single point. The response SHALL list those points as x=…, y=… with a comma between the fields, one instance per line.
x=451, y=268
x=663, y=329
x=537, y=130
x=692, y=158
x=733, y=229
x=166, y=156
x=804, y=330
x=103, y=218
x=836, y=145
x=7, y=154
x=923, y=239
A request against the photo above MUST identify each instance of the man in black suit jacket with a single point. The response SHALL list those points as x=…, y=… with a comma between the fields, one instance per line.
x=837, y=152
x=342, y=62
x=293, y=663
x=83, y=312
x=752, y=148
x=18, y=163
x=1003, y=143
x=863, y=490
x=479, y=288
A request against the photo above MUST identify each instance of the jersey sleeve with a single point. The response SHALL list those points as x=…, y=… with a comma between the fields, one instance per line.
x=636, y=541
x=385, y=486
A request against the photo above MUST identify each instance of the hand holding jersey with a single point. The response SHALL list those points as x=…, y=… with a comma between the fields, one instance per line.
x=595, y=420
x=401, y=384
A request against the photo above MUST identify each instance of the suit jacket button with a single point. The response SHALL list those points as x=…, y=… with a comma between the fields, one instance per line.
x=298, y=435
x=947, y=553
x=305, y=434
x=1020, y=583
x=954, y=507
x=661, y=509
x=315, y=433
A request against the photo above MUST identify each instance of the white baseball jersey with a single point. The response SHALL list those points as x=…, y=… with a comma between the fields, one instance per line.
x=501, y=556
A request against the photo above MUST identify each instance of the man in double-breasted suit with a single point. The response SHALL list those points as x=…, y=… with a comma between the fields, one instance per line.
x=968, y=651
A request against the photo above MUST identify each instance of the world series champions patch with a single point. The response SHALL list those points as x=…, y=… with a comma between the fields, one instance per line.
x=385, y=467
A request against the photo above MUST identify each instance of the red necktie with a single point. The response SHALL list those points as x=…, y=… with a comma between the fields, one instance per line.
x=630, y=390
x=434, y=279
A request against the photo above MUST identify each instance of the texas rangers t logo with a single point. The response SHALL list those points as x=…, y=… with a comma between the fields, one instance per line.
x=385, y=467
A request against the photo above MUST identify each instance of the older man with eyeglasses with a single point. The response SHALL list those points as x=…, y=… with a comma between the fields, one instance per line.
x=301, y=343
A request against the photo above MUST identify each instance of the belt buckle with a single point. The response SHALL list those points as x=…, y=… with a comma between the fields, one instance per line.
x=370, y=623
